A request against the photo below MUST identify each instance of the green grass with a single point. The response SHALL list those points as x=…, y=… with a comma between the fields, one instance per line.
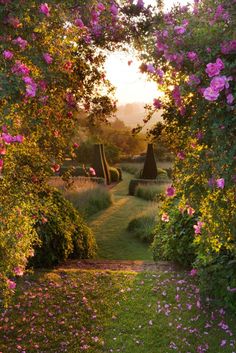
x=101, y=312
x=135, y=168
x=110, y=226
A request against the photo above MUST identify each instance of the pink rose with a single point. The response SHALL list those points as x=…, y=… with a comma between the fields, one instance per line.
x=157, y=103
x=210, y=94
x=180, y=29
x=19, y=271
x=230, y=98
x=43, y=8
x=165, y=217
x=192, y=56
x=7, y=54
x=21, y=42
x=92, y=171
x=170, y=191
x=47, y=57
x=11, y=284
x=79, y=23
x=213, y=69
x=220, y=183
x=198, y=227
x=218, y=83
x=100, y=7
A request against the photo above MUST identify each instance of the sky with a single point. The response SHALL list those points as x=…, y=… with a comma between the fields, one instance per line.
x=131, y=85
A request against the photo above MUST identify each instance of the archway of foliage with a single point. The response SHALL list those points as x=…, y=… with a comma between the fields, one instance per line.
x=192, y=56
x=52, y=66
x=52, y=57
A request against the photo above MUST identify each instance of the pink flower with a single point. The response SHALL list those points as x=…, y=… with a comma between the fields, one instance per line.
x=1, y=164
x=20, y=69
x=198, y=227
x=55, y=168
x=180, y=29
x=92, y=171
x=100, y=6
x=3, y=150
x=157, y=103
x=193, y=80
x=170, y=191
x=7, y=138
x=11, y=284
x=21, y=42
x=75, y=145
x=7, y=54
x=193, y=272
x=165, y=217
x=47, y=57
x=19, y=271
x=181, y=155
x=31, y=89
x=218, y=83
x=114, y=10
x=192, y=56
x=43, y=8
x=190, y=211
x=18, y=138
x=140, y=4
x=230, y=98
x=150, y=68
x=210, y=94
x=213, y=69
x=79, y=23
x=220, y=183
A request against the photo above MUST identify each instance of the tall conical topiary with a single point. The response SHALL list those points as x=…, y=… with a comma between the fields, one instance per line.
x=106, y=165
x=150, y=167
x=98, y=164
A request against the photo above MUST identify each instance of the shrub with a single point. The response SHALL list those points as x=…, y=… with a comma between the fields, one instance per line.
x=88, y=197
x=149, y=169
x=150, y=192
x=143, y=226
x=62, y=233
x=174, y=235
x=115, y=175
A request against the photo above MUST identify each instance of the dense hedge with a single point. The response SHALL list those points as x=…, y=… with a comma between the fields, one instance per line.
x=63, y=234
x=114, y=174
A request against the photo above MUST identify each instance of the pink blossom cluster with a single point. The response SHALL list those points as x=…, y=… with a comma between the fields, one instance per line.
x=218, y=83
x=198, y=227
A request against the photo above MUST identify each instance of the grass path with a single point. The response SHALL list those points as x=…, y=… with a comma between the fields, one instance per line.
x=109, y=226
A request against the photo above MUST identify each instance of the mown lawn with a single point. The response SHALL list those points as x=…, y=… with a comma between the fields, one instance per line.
x=100, y=311
x=110, y=226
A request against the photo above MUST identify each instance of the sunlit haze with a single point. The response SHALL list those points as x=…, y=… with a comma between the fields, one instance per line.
x=123, y=72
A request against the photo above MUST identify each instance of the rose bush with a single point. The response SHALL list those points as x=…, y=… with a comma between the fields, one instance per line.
x=192, y=55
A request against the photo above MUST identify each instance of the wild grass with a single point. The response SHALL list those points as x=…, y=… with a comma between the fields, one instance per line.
x=143, y=225
x=151, y=192
x=100, y=311
x=87, y=197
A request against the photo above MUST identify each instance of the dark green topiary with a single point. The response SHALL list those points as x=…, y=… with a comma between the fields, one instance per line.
x=106, y=165
x=115, y=176
x=150, y=169
x=63, y=233
x=98, y=163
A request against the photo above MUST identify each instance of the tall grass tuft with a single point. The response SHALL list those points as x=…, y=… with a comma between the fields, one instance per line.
x=151, y=192
x=143, y=226
x=86, y=196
